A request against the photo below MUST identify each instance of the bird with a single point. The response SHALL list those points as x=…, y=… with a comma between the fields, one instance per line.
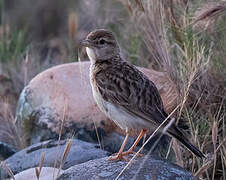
x=124, y=94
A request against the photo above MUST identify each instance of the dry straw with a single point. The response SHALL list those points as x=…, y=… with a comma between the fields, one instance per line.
x=8, y=170
x=178, y=49
x=38, y=170
x=72, y=25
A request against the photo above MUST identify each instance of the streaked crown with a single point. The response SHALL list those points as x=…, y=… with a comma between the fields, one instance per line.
x=101, y=45
x=101, y=33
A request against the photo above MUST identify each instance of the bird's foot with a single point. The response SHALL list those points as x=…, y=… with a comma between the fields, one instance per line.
x=126, y=153
x=118, y=157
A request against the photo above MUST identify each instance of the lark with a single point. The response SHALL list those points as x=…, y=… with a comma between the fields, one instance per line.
x=124, y=94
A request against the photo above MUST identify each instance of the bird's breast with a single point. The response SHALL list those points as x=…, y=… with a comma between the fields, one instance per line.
x=91, y=54
x=96, y=94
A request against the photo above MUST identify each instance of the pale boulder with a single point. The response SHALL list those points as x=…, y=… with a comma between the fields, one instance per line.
x=47, y=173
x=62, y=94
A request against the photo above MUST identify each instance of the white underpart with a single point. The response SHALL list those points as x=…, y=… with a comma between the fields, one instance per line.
x=91, y=54
x=123, y=119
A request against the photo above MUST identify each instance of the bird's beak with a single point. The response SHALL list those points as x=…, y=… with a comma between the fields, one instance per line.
x=86, y=43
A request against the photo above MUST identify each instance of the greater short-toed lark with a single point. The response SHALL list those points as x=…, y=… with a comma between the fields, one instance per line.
x=124, y=93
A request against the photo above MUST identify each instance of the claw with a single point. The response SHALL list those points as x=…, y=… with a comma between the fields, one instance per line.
x=118, y=157
x=126, y=153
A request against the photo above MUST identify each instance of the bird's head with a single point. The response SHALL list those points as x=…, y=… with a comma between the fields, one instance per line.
x=101, y=45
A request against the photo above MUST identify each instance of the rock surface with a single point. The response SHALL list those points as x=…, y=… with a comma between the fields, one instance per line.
x=63, y=95
x=103, y=169
x=6, y=150
x=30, y=157
x=47, y=173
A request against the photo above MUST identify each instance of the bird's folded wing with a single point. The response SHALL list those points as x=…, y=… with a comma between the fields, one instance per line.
x=133, y=92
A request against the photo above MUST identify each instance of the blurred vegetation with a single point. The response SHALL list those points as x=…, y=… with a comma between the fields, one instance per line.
x=186, y=39
x=134, y=46
x=12, y=46
x=219, y=40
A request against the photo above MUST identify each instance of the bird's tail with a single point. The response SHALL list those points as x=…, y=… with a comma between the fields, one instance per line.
x=176, y=133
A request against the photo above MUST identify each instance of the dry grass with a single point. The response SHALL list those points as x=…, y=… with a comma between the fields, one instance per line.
x=65, y=154
x=68, y=145
x=8, y=129
x=38, y=170
x=7, y=169
x=209, y=14
x=72, y=25
x=177, y=49
x=154, y=34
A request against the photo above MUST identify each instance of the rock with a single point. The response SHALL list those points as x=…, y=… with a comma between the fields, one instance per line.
x=30, y=157
x=6, y=150
x=63, y=95
x=149, y=169
x=47, y=173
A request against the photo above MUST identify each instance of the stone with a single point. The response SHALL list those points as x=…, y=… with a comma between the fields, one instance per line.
x=62, y=96
x=47, y=173
x=113, y=141
x=30, y=157
x=6, y=150
x=146, y=167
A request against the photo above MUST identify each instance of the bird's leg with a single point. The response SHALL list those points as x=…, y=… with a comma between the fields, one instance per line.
x=131, y=149
x=119, y=155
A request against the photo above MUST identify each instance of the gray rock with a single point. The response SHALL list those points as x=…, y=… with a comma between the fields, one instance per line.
x=113, y=141
x=47, y=173
x=103, y=169
x=6, y=150
x=30, y=157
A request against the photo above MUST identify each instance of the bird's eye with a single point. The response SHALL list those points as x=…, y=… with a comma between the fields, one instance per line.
x=102, y=41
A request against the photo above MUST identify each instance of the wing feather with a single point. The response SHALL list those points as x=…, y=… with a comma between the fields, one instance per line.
x=125, y=86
